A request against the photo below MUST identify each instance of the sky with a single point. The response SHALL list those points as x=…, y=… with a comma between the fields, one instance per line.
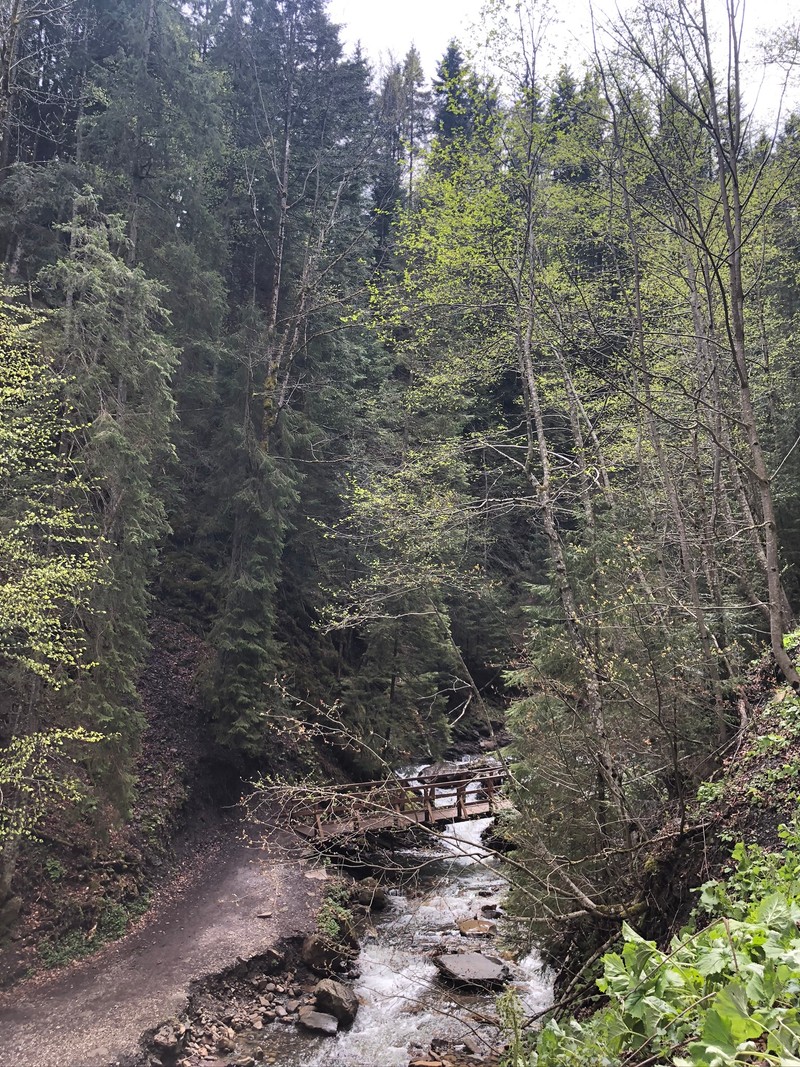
x=389, y=27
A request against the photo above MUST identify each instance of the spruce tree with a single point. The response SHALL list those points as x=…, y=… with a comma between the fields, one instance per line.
x=108, y=338
x=298, y=171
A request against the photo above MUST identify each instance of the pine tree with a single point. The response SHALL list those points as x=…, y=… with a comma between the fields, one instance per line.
x=416, y=118
x=108, y=338
x=454, y=96
x=298, y=172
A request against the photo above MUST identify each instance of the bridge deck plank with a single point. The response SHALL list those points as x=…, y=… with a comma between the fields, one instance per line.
x=399, y=821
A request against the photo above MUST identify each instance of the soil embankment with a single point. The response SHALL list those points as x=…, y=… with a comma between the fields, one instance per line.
x=236, y=902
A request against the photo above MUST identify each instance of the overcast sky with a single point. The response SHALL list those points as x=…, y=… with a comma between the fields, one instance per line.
x=387, y=27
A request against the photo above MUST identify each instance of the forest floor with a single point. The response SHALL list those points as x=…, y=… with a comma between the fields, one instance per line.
x=181, y=862
x=91, y=872
x=231, y=901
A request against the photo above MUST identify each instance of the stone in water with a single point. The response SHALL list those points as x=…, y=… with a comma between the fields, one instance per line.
x=477, y=927
x=473, y=969
x=318, y=1021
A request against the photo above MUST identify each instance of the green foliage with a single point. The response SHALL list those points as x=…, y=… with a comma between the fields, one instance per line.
x=709, y=793
x=50, y=568
x=112, y=922
x=47, y=559
x=514, y=459
x=768, y=761
x=512, y=1022
x=35, y=776
x=724, y=994
x=111, y=327
x=57, y=952
x=334, y=919
x=54, y=870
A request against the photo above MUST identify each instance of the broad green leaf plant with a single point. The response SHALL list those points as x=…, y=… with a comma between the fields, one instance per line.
x=724, y=994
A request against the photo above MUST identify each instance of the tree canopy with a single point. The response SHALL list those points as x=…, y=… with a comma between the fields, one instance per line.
x=425, y=407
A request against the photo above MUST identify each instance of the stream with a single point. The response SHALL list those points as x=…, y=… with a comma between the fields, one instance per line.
x=404, y=1006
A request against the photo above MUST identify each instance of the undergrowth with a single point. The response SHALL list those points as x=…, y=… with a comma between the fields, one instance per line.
x=334, y=919
x=113, y=921
x=726, y=991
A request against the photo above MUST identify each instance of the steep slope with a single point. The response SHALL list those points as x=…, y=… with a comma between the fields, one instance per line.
x=706, y=970
x=91, y=872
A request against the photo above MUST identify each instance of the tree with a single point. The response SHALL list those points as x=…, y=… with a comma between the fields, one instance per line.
x=49, y=569
x=454, y=92
x=37, y=87
x=302, y=160
x=109, y=336
x=545, y=268
x=48, y=564
x=416, y=106
x=706, y=128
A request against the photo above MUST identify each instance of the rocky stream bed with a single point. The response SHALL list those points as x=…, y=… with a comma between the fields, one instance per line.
x=419, y=989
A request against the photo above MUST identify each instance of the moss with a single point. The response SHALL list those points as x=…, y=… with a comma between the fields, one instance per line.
x=334, y=918
x=112, y=922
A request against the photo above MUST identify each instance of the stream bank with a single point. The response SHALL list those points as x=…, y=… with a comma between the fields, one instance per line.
x=238, y=904
x=253, y=1014
x=408, y=1012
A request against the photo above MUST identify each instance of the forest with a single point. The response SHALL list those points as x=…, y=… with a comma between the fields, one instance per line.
x=420, y=412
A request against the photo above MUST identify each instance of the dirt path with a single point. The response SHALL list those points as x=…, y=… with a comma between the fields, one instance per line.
x=92, y=1013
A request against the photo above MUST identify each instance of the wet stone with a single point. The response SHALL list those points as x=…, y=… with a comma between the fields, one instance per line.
x=318, y=1021
x=477, y=927
x=337, y=999
x=472, y=969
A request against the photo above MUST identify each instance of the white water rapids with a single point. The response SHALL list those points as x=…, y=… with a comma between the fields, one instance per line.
x=404, y=1005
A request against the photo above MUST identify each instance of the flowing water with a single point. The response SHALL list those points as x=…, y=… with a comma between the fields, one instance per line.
x=404, y=1005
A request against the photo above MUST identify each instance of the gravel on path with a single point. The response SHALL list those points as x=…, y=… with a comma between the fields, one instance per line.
x=93, y=1013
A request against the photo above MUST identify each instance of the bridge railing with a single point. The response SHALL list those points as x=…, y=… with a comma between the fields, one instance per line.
x=395, y=802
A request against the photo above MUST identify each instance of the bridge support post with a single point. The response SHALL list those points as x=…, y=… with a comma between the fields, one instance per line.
x=430, y=803
x=461, y=801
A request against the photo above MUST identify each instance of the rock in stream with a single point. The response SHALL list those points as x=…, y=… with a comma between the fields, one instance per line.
x=336, y=999
x=473, y=969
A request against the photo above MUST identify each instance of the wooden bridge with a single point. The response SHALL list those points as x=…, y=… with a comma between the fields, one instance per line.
x=444, y=796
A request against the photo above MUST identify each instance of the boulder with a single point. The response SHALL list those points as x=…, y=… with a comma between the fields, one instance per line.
x=226, y=1043
x=318, y=1021
x=169, y=1040
x=371, y=894
x=335, y=998
x=477, y=927
x=472, y=969
x=320, y=954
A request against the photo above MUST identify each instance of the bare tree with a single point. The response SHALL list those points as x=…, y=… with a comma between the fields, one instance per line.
x=701, y=124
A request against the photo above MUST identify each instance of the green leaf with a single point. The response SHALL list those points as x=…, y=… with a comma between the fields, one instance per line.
x=715, y=960
x=728, y=1021
x=774, y=911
